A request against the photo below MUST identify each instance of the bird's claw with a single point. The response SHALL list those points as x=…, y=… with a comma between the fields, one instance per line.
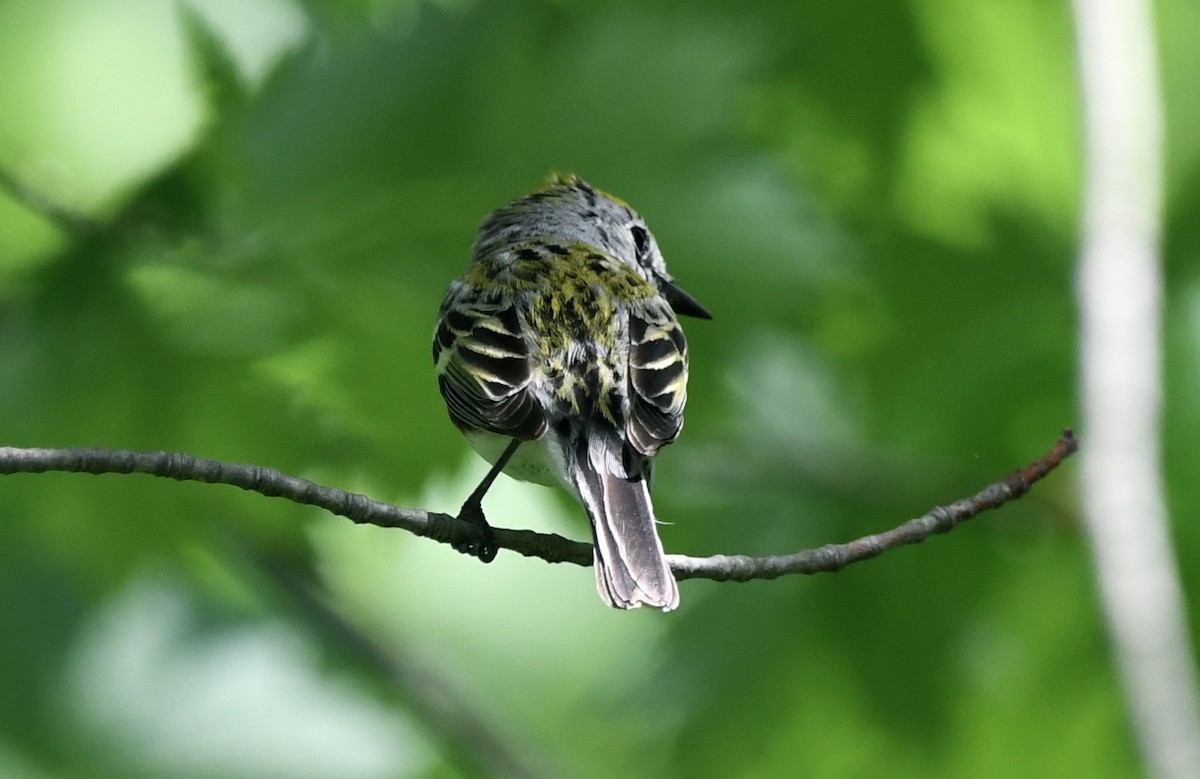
x=483, y=545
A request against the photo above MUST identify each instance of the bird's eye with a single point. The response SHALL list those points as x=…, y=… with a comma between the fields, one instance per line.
x=641, y=242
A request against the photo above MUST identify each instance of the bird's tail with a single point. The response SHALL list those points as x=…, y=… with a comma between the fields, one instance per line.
x=631, y=568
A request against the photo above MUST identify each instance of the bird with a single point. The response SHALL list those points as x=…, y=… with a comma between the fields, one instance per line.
x=560, y=357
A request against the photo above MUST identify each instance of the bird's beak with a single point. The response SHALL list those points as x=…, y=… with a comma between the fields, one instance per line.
x=681, y=302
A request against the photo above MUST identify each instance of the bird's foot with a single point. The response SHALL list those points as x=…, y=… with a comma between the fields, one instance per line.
x=483, y=545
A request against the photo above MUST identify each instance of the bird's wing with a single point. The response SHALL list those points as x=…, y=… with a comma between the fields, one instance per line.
x=658, y=372
x=484, y=368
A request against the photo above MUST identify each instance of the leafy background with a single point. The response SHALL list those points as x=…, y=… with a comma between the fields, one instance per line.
x=259, y=206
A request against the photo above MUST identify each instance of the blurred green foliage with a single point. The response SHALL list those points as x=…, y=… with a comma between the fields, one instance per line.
x=878, y=201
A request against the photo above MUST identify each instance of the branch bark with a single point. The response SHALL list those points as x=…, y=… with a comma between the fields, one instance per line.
x=550, y=547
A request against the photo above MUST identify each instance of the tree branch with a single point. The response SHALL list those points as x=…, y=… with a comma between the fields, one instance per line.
x=1120, y=286
x=550, y=547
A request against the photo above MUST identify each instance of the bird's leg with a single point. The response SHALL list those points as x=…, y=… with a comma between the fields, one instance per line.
x=484, y=547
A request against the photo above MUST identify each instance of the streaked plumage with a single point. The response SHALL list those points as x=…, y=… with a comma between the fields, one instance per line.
x=562, y=333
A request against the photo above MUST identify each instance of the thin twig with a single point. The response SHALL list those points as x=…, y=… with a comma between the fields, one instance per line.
x=546, y=546
x=834, y=557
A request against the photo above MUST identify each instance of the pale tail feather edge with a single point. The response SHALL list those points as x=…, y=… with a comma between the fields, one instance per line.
x=631, y=568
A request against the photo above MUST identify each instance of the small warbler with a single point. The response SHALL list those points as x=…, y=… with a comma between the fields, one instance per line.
x=560, y=359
